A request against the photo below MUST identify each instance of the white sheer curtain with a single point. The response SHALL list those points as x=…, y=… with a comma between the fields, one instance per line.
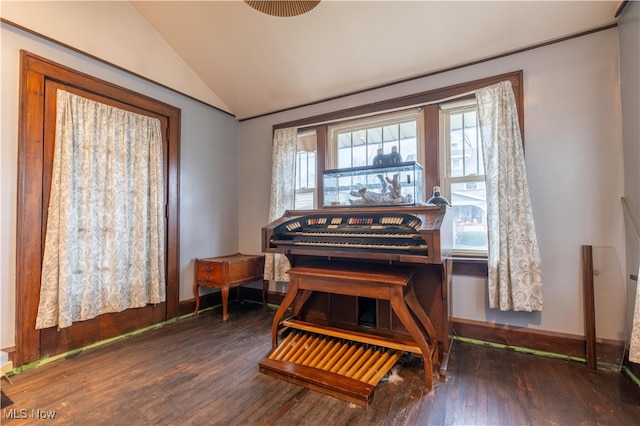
x=634, y=343
x=282, y=194
x=104, y=246
x=515, y=272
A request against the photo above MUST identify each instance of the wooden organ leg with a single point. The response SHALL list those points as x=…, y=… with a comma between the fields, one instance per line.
x=301, y=300
x=416, y=308
x=286, y=302
x=400, y=308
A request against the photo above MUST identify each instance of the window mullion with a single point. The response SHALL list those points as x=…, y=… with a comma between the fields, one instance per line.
x=464, y=148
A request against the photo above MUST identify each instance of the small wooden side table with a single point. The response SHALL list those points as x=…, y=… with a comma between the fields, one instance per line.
x=228, y=271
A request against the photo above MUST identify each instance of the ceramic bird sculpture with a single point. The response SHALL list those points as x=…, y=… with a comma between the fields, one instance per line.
x=437, y=199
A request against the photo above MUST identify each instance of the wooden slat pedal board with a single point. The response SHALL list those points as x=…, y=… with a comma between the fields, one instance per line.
x=344, y=365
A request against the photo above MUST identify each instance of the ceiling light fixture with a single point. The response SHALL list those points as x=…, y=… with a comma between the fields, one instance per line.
x=283, y=8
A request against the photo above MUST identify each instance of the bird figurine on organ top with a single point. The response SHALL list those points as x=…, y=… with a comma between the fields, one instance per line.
x=437, y=199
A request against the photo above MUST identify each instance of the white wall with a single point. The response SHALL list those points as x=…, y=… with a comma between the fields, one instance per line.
x=208, y=158
x=630, y=88
x=574, y=157
x=102, y=28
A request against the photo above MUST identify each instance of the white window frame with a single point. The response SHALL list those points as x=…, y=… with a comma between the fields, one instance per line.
x=378, y=120
x=446, y=180
x=306, y=142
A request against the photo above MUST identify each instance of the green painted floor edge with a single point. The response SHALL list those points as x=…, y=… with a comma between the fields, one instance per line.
x=635, y=379
x=520, y=349
x=47, y=359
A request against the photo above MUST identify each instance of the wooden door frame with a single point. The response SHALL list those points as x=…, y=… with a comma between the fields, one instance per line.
x=34, y=72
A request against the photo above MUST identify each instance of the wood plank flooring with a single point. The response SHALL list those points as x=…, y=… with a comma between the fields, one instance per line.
x=199, y=371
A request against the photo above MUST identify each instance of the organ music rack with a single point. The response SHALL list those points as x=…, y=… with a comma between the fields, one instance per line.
x=371, y=282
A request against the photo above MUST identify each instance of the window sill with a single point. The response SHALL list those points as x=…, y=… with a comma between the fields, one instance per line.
x=473, y=266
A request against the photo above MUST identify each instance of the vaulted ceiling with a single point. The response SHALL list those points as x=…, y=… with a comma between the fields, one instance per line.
x=258, y=64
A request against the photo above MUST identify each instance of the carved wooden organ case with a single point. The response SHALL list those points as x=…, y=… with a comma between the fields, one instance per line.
x=367, y=284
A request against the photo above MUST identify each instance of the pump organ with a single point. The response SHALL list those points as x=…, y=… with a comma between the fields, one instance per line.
x=376, y=276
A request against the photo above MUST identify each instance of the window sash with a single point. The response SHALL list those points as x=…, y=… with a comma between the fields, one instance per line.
x=469, y=218
x=306, y=171
x=367, y=123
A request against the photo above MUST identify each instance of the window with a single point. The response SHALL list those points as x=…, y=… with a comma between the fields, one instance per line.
x=351, y=137
x=358, y=142
x=306, y=166
x=462, y=176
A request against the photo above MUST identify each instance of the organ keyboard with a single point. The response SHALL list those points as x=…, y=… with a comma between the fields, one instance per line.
x=413, y=235
x=386, y=264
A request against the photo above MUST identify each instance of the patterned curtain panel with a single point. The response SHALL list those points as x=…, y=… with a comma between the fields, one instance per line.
x=104, y=247
x=515, y=272
x=283, y=187
x=634, y=350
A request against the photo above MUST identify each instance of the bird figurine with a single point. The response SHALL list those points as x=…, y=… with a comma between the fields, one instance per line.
x=437, y=199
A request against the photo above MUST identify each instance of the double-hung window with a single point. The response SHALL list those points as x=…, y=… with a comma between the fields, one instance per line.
x=358, y=142
x=462, y=175
x=306, y=165
x=442, y=135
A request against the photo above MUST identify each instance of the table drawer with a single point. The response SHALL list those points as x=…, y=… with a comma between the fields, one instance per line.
x=209, y=272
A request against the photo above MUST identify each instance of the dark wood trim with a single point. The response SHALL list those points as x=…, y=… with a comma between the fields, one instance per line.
x=95, y=58
x=569, y=345
x=430, y=96
x=444, y=70
x=32, y=130
x=431, y=148
x=29, y=220
x=210, y=300
x=621, y=8
x=214, y=299
x=472, y=266
x=321, y=162
x=501, y=334
x=589, y=306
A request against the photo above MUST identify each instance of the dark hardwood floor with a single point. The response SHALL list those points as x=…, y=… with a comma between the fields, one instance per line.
x=199, y=371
